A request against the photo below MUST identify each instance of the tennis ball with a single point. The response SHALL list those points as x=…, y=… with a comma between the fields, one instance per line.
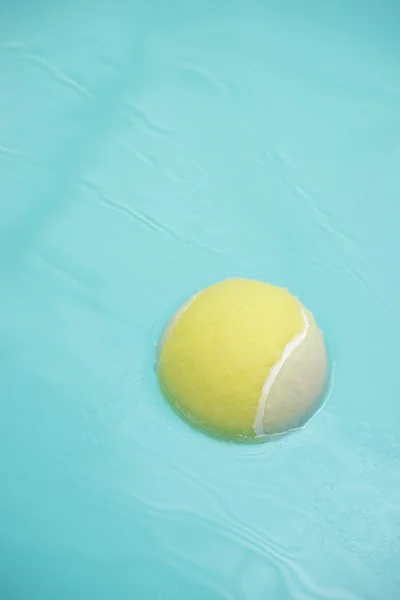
x=243, y=359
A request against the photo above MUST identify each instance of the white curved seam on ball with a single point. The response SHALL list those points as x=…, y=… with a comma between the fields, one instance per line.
x=177, y=316
x=274, y=372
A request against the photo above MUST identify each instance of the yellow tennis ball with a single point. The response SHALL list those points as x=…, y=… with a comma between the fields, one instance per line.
x=243, y=359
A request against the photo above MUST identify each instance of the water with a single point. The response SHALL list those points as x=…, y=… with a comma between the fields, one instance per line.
x=148, y=150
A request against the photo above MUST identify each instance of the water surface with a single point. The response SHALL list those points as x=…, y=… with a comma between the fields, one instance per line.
x=148, y=150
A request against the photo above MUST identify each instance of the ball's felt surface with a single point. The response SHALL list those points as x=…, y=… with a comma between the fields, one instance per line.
x=243, y=358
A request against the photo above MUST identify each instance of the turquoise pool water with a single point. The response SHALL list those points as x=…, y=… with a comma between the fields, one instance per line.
x=148, y=150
